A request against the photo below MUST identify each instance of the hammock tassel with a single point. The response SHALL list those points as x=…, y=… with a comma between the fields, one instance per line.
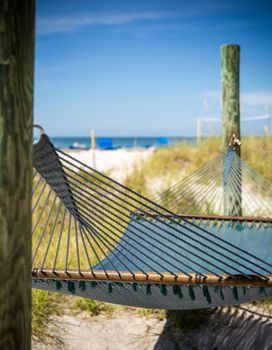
x=191, y=292
x=235, y=293
x=207, y=294
x=93, y=284
x=262, y=291
x=82, y=286
x=110, y=289
x=219, y=289
x=58, y=285
x=71, y=287
x=120, y=284
x=163, y=289
x=135, y=286
x=148, y=289
x=177, y=291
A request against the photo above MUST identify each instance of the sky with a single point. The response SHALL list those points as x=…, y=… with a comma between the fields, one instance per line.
x=145, y=67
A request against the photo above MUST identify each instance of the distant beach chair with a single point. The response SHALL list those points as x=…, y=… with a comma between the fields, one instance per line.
x=77, y=145
x=104, y=143
x=162, y=141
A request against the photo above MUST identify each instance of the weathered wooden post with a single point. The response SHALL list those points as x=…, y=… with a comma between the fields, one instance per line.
x=230, y=72
x=230, y=56
x=16, y=108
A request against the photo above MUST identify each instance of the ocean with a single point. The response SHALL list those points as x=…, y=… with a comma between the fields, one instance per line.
x=119, y=142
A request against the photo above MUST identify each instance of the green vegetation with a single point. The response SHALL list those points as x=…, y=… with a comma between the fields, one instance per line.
x=43, y=307
x=158, y=313
x=266, y=304
x=92, y=307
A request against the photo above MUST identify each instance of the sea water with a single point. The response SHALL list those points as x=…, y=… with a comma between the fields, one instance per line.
x=120, y=142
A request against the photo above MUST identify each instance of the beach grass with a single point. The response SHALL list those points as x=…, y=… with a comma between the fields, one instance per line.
x=166, y=165
x=44, y=306
x=93, y=307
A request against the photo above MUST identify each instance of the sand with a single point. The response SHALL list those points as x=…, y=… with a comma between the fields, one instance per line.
x=118, y=163
x=248, y=327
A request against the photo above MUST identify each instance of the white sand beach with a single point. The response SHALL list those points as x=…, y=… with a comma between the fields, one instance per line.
x=118, y=163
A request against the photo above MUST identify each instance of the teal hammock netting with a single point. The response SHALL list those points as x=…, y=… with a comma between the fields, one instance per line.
x=204, y=242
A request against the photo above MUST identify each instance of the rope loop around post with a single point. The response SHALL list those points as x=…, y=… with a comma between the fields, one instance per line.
x=235, y=143
x=41, y=131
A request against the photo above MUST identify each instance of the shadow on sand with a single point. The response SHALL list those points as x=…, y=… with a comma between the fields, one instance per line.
x=245, y=328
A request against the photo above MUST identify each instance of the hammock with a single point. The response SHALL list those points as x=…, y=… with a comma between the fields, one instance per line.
x=95, y=238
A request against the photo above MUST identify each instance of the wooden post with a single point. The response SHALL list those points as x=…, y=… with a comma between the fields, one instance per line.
x=93, y=147
x=230, y=68
x=16, y=108
x=230, y=71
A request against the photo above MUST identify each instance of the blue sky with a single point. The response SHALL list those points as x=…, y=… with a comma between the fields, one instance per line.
x=145, y=67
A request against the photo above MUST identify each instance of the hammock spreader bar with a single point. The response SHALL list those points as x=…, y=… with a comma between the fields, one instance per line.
x=153, y=278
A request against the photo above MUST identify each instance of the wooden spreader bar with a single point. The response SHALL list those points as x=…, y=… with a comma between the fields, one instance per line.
x=152, y=277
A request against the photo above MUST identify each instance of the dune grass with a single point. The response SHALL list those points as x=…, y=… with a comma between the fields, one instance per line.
x=93, y=307
x=167, y=165
x=43, y=307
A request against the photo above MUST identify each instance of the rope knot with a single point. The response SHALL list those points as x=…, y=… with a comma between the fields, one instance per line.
x=235, y=143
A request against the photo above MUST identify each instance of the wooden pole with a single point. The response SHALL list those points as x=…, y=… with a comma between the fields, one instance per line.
x=16, y=108
x=93, y=147
x=230, y=71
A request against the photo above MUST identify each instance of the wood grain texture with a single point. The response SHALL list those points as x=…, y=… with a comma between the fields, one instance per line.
x=16, y=110
x=230, y=78
x=153, y=277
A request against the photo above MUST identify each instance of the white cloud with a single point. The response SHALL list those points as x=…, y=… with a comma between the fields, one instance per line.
x=257, y=98
x=251, y=104
x=191, y=20
x=210, y=95
x=253, y=99
x=50, y=25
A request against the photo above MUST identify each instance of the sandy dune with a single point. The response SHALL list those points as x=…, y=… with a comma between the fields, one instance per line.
x=118, y=162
